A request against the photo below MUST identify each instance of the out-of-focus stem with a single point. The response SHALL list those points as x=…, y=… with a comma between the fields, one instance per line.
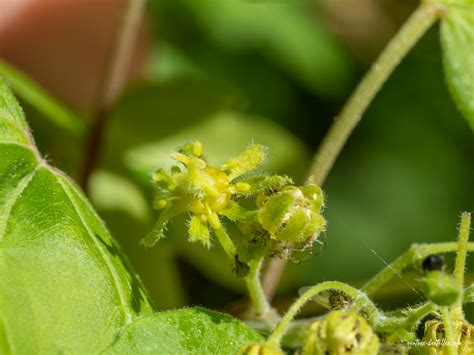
x=113, y=80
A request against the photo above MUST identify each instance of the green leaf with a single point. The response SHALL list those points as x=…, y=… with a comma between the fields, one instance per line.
x=152, y=111
x=36, y=96
x=187, y=331
x=112, y=192
x=457, y=39
x=63, y=284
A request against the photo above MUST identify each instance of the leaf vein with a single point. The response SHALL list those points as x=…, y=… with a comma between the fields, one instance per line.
x=10, y=203
x=63, y=180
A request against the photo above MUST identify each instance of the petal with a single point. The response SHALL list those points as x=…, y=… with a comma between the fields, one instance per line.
x=247, y=161
x=199, y=230
x=157, y=232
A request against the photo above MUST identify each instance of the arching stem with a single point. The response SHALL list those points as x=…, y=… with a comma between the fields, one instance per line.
x=409, y=34
x=361, y=301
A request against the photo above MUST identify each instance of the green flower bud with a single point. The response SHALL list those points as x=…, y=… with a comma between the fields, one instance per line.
x=441, y=288
x=259, y=349
x=292, y=215
x=341, y=332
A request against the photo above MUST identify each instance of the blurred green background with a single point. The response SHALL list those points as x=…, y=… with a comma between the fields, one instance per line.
x=277, y=72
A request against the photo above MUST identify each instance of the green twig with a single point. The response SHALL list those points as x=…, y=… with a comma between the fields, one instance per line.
x=414, y=317
x=360, y=299
x=409, y=34
x=260, y=305
x=449, y=331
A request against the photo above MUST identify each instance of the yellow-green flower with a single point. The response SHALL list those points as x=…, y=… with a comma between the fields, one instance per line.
x=205, y=192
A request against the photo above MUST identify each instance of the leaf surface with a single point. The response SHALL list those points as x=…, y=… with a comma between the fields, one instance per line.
x=186, y=331
x=63, y=283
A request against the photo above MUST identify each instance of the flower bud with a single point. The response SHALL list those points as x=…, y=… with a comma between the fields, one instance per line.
x=293, y=214
x=341, y=332
x=441, y=288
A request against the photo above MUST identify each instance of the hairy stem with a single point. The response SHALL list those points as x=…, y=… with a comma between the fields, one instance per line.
x=260, y=305
x=409, y=34
x=259, y=301
x=225, y=241
x=412, y=319
x=361, y=300
x=449, y=331
x=115, y=74
x=415, y=253
x=460, y=265
x=413, y=29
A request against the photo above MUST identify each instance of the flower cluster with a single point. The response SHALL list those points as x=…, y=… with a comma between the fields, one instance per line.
x=281, y=213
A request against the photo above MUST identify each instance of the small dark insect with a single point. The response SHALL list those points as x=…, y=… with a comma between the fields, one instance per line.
x=433, y=262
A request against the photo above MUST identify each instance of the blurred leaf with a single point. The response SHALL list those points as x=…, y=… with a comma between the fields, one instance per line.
x=154, y=110
x=109, y=191
x=167, y=63
x=224, y=136
x=188, y=331
x=285, y=32
x=63, y=283
x=36, y=96
x=457, y=38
